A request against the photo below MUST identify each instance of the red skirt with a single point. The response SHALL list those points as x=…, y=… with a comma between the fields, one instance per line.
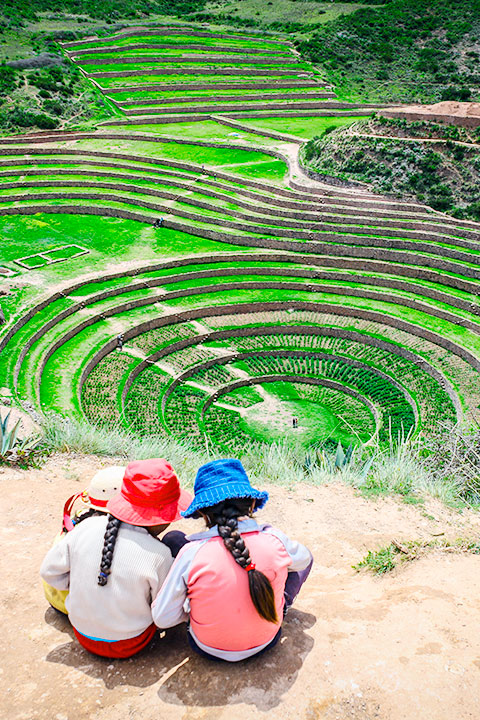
x=117, y=648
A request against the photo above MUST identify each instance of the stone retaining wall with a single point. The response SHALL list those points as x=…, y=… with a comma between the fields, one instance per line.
x=365, y=110
x=226, y=98
x=327, y=195
x=187, y=30
x=344, y=311
x=218, y=86
x=319, y=206
x=255, y=379
x=202, y=71
x=291, y=377
x=340, y=263
x=469, y=121
x=271, y=210
x=264, y=104
x=332, y=250
x=205, y=60
x=297, y=222
x=166, y=46
x=198, y=314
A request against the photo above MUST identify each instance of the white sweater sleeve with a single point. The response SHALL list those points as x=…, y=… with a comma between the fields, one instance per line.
x=55, y=568
x=171, y=606
x=300, y=556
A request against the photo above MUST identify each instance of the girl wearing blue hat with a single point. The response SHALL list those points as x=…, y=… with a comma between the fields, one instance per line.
x=233, y=582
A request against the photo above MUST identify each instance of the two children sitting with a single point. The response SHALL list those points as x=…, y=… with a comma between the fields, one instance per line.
x=231, y=583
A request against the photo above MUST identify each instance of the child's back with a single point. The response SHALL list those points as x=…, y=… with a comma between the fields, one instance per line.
x=121, y=608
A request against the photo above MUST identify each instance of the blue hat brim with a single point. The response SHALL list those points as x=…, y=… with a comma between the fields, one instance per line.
x=207, y=499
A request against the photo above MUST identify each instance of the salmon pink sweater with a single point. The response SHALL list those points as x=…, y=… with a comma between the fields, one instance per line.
x=206, y=587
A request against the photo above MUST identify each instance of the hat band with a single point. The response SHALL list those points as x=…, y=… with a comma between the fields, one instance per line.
x=98, y=503
x=159, y=499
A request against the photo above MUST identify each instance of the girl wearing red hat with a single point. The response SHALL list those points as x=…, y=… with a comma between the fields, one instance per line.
x=114, y=565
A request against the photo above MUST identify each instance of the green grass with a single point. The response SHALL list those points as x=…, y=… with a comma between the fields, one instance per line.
x=282, y=11
x=201, y=130
x=105, y=238
x=157, y=96
x=272, y=422
x=306, y=127
x=182, y=40
x=186, y=80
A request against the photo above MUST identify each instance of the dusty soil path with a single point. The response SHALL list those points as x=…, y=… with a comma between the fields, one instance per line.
x=401, y=647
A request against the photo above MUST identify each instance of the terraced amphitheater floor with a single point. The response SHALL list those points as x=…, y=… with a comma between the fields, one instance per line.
x=177, y=273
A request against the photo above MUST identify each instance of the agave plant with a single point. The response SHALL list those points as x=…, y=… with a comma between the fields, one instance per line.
x=12, y=448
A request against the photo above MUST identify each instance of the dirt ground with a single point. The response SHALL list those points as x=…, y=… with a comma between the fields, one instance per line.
x=400, y=647
x=448, y=111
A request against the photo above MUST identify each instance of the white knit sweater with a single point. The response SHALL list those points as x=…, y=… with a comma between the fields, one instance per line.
x=120, y=609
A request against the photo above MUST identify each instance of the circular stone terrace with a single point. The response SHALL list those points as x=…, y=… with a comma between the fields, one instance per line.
x=355, y=315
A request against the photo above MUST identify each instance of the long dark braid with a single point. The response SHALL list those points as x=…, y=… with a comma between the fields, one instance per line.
x=85, y=515
x=225, y=515
x=109, y=541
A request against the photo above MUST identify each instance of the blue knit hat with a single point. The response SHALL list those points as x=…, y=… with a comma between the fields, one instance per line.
x=222, y=480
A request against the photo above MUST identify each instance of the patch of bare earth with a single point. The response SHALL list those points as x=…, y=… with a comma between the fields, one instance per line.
x=401, y=647
x=448, y=111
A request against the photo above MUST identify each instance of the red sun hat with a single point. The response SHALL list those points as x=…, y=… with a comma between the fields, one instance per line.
x=150, y=494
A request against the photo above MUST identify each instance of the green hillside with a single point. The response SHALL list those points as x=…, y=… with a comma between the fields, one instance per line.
x=405, y=50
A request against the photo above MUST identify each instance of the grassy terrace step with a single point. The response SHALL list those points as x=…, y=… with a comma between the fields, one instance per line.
x=286, y=263
x=128, y=289
x=140, y=312
x=160, y=49
x=347, y=285
x=145, y=90
x=275, y=196
x=146, y=115
x=155, y=99
x=155, y=62
x=431, y=397
x=196, y=65
x=364, y=236
x=187, y=74
x=217, y=232
x=187, y=36
x=100, y=405
x=197, y=192
x=55, y=175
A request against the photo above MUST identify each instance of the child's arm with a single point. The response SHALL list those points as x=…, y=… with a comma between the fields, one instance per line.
x=300, y=556
x=171, y=607
x=55, y=568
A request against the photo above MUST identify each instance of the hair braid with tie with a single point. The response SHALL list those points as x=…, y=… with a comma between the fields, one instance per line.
x=109, y=541
x=225, y=515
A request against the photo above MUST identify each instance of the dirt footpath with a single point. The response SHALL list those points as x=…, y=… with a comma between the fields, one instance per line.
x=402, y=647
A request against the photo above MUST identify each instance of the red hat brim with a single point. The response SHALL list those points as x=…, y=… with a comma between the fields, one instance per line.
x=147, y=516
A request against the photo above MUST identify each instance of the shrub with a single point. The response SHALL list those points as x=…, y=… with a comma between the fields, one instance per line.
x=461, y=94
x=7, y=79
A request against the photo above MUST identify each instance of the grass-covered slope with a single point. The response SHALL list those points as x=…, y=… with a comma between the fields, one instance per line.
x=48, y=97
x=423, y=50
x=424, y=161
x=16, y=12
